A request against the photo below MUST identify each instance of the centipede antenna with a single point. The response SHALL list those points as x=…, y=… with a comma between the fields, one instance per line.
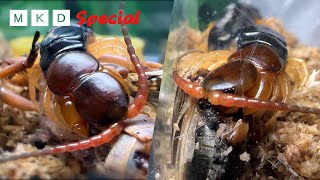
x=141, y=98
x=35, y=39
x=33, y=54
x=12, y=157
x=231, y=100
x=121, y=5
x=94, y=141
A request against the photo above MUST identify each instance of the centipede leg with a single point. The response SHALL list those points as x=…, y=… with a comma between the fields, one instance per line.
x=152, y=66
x=15, y=100
x=94, y=141
x=116, y=59
x=238, y=133
x=141, y=98
x=23, y=65
x=297, y=71
x=12, y=69
x=190, y=88
x=124, y=72
x=10, y=97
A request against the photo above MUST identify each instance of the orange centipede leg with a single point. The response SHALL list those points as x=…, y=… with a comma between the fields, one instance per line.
x=12, y=69
x=230, y=100
x=115, y=59
x=141, y=98
x=22, y=65
x=94, y=141
x=10, y=97
x=190, y=88
x=118, y=68
x=15, y=100
x=154, y=65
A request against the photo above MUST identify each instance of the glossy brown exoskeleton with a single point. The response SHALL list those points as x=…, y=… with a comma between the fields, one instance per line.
x=70, y=70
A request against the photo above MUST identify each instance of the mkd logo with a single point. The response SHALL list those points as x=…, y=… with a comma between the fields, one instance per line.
x=62, y=18
x=39, y=18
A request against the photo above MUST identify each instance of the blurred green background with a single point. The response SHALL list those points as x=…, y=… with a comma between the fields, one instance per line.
x=153, y=27
x=199, y=13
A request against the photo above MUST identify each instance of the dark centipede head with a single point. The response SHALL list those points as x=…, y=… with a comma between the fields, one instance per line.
x=62, y=39
x=263, y=35
x=231, y=78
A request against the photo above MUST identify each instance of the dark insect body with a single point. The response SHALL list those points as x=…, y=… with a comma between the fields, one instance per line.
x=213, y=157
x=237, y=15
x=208, y=160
